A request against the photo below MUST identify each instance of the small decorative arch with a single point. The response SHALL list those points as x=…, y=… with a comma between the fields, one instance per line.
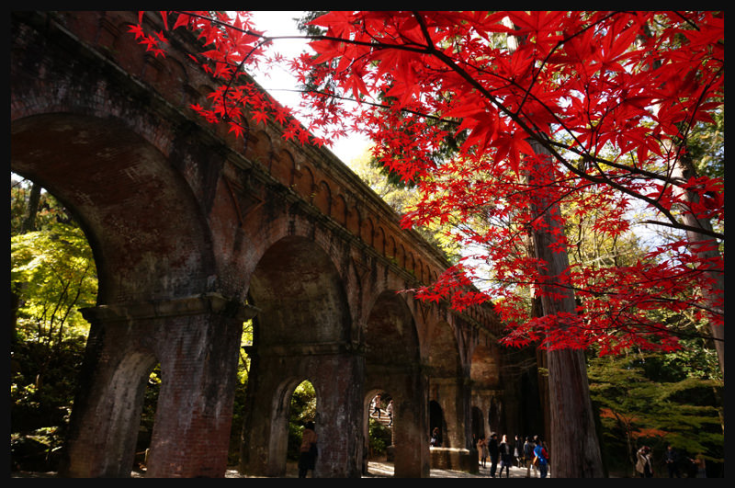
x=304, y=182
x=339, y=210
x=260, y=148
x=323, y=198
x=283, y=168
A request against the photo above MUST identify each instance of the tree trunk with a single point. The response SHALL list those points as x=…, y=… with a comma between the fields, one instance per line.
x=574, y=449
x=683, y=170
x=29, y=220
x=28, y=225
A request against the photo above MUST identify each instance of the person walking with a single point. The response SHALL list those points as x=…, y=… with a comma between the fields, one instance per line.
x=528, y=455
x=308, y=451
x=518, y=451
x=482, y=449
x=672, y=462
x=493, y=451
x=436, y=439
x=541, y=458
x=643, y=465
x=506, y=457
x=375, y=407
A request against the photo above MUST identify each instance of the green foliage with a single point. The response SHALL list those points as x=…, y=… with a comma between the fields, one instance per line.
x=706, y=146
x=653, y=400
x=380, y=437
x=303, y=410
x=54, y=273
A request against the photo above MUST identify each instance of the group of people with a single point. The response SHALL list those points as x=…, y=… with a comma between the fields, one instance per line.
x=644, y=463
x=531, y=454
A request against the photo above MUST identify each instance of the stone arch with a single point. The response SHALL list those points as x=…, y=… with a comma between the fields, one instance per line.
x=283, y=166
x=383, y=422
x=437, y=424
x=278, y=445
x=367, y=231
x=390, y=248
x=304, y=182
x=111, y=178
x=354, y=218
x=379, y=242
x=323, y=198
x=401, y=255
x=123, y=400
x=299, y=294
x=339, y=209
x=153, y=252
x=478, y=424
x=260, y=148
x=392, y=359
x=302, y=330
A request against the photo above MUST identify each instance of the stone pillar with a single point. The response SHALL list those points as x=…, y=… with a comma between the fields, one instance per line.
x=196, y=340
x=411, y=425
x=104, y=422
x=458, y=451
x=275, y=372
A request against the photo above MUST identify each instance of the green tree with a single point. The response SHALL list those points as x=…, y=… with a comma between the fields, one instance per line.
x=52, y=275
x=650, y=399
x=58, y=276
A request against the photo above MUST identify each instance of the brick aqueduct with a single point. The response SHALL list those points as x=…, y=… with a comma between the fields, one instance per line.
x=194, y=233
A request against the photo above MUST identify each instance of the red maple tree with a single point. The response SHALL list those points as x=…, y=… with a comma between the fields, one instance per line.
x=503, y=119
x=610, y=96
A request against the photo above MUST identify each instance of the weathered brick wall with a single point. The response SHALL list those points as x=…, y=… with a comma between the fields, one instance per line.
x=187, y=224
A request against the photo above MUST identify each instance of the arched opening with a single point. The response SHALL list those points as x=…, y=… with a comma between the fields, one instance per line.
x=392, y=362
x=303, y=416
x=109, y=178
x=494, y=416
x=379, y=422
x=478, y=425
x=302, y=320
x=53, y=275
x=130, y=384
x=148, y=418
x=299, y=295
x=437, y=427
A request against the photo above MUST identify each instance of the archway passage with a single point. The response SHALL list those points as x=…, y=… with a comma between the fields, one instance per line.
x=178, y=217
x=302, y=418
x=437, y=426
x=153, y=253
x=392, y=361
x=379, y=427
x=301, y=331
x=140, y=217
x=300, y=296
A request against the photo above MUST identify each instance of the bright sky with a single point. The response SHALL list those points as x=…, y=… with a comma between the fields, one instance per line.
x=281, y=83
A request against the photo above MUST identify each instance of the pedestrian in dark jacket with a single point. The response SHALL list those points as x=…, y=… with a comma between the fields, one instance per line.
x=528, y=454
x=672, y=462
x=494, y=452
x=506, y=457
